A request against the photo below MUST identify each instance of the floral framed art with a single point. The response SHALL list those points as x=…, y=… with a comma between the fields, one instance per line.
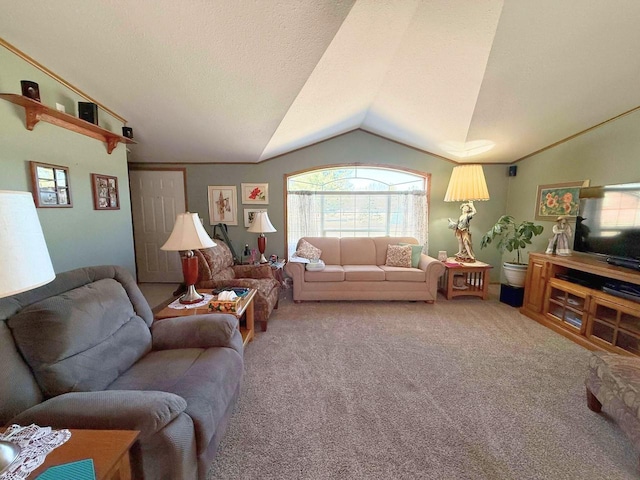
x=250, y=215
x=256, y=193
x=223, y=204
x=105, y=192
x=558, y=199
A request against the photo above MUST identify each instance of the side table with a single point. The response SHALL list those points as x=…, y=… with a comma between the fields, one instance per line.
x=245, y=306
x=109, y=450
x=464, y=279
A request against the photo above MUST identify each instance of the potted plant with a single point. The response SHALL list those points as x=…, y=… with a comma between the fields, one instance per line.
x=511, y=236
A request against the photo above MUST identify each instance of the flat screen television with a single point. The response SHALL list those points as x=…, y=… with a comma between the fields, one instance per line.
x=608, y=223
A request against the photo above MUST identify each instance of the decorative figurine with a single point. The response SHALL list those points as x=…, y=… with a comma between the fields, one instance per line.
x=559, y=243
x=461, y=227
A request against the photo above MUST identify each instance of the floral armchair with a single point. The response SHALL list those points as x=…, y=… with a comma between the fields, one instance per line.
x=216, y=270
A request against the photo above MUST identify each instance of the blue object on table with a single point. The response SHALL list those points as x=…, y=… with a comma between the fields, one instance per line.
x=80, y=470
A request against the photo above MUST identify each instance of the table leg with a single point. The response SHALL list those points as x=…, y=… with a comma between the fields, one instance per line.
x=450, y=277
x=485, y=284
x=250, y=321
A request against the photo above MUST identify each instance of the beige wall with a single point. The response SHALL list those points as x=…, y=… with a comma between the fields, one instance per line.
x=78, y=236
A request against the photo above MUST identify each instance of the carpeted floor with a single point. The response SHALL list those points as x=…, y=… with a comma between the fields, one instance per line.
x=463, y=389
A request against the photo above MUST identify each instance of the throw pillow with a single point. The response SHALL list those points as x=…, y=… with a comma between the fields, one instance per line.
x=416, y=251
x=306, y=250
x=398, y=256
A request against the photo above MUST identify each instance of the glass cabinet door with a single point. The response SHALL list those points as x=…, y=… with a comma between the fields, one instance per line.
x=615, y=323
x=566, y=304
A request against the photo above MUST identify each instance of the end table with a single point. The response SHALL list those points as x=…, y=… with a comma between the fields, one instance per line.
x=472, y=277
x=109, y=450
x=245, y=306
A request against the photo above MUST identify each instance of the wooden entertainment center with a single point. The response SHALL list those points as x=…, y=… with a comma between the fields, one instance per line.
x=579, y=309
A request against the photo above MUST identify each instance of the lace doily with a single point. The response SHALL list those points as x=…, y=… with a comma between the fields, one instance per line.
x=181, y=306
x=35, y=444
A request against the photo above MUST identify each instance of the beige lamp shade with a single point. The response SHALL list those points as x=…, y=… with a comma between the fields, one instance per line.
x=261, y=224
x=188, y=234
x=467, y=183
x=24, y=258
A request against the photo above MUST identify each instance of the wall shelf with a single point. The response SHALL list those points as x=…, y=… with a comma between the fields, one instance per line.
x=36, y=112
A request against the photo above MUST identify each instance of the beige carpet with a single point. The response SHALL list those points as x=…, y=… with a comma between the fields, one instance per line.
x=463, y=389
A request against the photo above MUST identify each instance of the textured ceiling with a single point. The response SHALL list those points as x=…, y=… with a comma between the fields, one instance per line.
x=244, y=81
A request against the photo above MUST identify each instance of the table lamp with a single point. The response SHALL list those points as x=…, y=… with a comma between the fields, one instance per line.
x=24, y=264
x=466, y=184
x=188, y=234
x=261, y=224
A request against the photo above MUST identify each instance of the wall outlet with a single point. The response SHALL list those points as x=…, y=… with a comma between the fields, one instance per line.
x=60, y=108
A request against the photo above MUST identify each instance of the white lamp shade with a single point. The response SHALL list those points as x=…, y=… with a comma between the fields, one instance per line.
x=188, y=234
x=261, y=224
x=24, y=257
x=467, y=183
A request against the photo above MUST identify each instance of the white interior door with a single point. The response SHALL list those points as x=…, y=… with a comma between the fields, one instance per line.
x=157, y=196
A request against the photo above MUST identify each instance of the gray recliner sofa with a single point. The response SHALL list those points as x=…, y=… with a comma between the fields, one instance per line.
x=83, y=352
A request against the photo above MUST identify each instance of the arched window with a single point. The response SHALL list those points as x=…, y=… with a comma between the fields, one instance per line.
x=356, y=201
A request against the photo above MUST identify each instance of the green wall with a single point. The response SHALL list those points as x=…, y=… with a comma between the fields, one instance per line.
x=78, y=236
x=605, y=155
x=355, y=147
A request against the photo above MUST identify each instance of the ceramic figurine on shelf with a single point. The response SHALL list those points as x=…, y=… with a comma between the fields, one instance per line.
x=559, y=243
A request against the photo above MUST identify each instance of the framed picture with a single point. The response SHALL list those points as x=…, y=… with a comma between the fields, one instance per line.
x=558, y=199
x=51, y=186
x=249, y=215
x=105, y=192
x=257, y=193
x=223, y=206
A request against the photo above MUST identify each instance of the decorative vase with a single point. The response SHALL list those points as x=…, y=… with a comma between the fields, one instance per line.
x=515, y=273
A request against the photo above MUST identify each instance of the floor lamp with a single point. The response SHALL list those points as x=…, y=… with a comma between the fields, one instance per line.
x=261, y=224
x=24, y=264
x=188, y=234
x=466, y=184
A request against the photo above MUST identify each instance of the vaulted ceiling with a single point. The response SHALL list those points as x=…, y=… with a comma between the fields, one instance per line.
x=244, y=81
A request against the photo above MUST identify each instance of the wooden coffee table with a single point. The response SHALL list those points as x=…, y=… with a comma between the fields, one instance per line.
x=109, y=450
x=245, y=307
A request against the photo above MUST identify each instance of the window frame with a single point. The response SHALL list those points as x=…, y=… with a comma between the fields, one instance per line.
x=426, y=176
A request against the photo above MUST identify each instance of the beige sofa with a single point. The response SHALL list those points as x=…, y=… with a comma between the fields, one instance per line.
x=355, y=270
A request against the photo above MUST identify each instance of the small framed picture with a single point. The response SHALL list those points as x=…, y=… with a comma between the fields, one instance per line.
x=256, y=193
x=105, y=192
x=249, y=215
x=223, y=206
x=51, y=186
x=558, y=199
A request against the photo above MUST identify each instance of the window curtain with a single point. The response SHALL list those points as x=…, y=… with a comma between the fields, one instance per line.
x=303, y=218
x=409, y=211
x=413, y=223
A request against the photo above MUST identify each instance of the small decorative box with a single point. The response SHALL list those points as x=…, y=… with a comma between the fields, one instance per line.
x=224, y=306
x=227, y=306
